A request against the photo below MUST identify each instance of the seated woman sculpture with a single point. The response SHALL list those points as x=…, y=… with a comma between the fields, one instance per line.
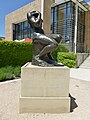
x=42, y=45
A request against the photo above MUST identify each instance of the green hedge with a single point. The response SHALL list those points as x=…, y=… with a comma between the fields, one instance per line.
x=61, y=48
x=15, y=53
x=18, y=53
x=68, y=59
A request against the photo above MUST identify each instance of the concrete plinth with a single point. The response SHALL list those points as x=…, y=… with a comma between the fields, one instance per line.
x=44, y=104
x=44, y=89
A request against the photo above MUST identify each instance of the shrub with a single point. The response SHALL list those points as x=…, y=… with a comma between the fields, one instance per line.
x=15, y=53
x=61, y=48
x=9, y=72
x=17, y=71
x=18, y=53
x=68, y=59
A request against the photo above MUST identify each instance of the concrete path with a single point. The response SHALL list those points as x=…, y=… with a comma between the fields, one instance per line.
x=86, y=64
x=80, y=107
x=82, y=73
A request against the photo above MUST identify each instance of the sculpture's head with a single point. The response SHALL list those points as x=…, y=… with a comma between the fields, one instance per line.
x=34, y=18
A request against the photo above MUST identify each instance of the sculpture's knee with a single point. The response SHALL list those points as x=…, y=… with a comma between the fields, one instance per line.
x=57, y=37
x=55, y=45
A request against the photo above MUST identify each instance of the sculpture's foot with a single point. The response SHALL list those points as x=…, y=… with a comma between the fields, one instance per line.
x=54, y=63
x=39, y=62
x=45, y=62
x=48, y=58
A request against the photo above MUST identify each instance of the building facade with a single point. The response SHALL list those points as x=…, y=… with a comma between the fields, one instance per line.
x=58, y=18
x=63, y=22
x=16, y=22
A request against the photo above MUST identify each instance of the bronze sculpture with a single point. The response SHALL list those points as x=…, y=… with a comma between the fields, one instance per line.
x=42, y=45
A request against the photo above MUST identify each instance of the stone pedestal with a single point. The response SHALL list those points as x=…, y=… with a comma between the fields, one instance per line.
x=44, y=89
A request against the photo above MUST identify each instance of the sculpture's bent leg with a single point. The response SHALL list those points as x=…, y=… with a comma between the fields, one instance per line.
x=56, y=37
x=49, y=45
x=47, y=49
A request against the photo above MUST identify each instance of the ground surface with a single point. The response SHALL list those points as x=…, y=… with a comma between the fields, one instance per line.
x=9, y=103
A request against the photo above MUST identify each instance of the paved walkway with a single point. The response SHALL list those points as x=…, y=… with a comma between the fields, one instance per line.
x=80, y=99
x=86, y=64
x=9, y=103
x=82, y=73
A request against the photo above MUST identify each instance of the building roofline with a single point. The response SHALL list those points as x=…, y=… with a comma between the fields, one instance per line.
x=84, y=3
x=81, y=3
x=21, y=8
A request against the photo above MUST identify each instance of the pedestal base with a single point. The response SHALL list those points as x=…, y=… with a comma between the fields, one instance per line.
x=44, y=104
x=44, y=89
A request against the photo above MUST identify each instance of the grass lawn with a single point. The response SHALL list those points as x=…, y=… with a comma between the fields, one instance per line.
x=9, y=73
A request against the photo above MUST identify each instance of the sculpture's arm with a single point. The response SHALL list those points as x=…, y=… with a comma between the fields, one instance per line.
x=34, y=17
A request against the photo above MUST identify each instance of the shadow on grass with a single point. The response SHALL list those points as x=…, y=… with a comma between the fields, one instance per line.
x=73, y=104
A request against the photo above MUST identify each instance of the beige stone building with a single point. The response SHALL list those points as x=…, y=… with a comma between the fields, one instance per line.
x=59, y=17
x=20, y=15
x=87, y=30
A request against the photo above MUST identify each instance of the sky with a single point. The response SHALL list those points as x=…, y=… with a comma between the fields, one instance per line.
x=8, y=6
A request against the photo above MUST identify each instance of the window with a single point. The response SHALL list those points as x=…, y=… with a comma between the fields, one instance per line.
x=63, y=22
x=21, y=30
